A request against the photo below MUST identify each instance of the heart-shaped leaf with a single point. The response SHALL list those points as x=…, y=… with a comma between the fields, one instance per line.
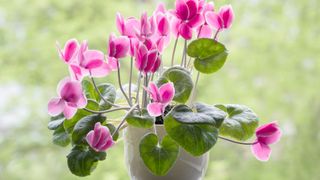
x=70, y=123
x=61, y=137
x=182, y=81
x=196, y=130
x=158, y=157
x=85, y=125
x=240, y=123
x=82, y=162
x=55, y=122
x=109, y=93
x=143, y=120
x=199, y=114
x=209, y=55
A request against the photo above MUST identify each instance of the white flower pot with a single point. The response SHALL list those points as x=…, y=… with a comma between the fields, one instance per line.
x=186, y=167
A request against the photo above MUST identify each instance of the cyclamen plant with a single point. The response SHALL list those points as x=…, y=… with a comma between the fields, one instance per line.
x=164, y=93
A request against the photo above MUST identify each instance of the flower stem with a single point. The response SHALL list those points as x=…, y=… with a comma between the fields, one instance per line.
x=120, y=85
x=237, y=142
x=144, y=92
x=216, y=35
x=97, y=90
x=138, y=91
x=193, y=94
x=124, y=119
x=130, y=80
x=106, y=111
x=174, y=50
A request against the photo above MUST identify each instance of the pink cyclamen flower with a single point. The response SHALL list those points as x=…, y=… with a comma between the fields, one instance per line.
x=266, y=134
x=118, y=48
x=221, y=20
x=162, y=35
x=99, y=138
x=69, y=100
x=161, y=98
x=146, y=60
x=187, y=17
x=205, y=31
x=89, y=62
x=68, y=53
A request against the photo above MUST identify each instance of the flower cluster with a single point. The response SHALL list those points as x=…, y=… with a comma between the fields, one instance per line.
x=144, y=41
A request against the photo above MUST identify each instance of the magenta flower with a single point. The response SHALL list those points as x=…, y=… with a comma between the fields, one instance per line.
x=161, y=98
x=99, y=138
x=187, y=17
x=69, y=100
x=146, y=60
x=68, y=53
x=266, y=134
x=205, y=31
x=221, y=20
x=88, y=62
x=118, y=48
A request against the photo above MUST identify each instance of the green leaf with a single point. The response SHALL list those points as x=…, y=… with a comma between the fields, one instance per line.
x=61, y=137
x=85, y=125
x=89, y=89
x=158, y=157
x=70, y=123
x=182, y=81
x=56, y=121
x=112, y=128
x=82, y=162
x=109, y=93
x=211, y=64
x=209, y=55
x=143, y=120
x=240, y=123
x=204, y=47
x=194, y=130
x=199, y=114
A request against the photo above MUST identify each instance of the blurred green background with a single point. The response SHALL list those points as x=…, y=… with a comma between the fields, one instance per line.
x=273, y=68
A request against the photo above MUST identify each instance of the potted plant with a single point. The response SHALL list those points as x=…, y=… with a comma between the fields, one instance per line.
x=167, y=134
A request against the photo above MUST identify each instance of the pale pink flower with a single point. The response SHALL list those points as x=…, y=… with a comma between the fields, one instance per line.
x=71, y=98
x=161, y=98
x=69, y=52
x=221, y=20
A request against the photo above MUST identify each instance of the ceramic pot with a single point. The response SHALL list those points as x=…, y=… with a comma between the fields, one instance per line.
x=186, y=167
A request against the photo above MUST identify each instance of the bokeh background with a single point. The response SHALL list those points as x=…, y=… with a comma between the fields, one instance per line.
x=273, y=68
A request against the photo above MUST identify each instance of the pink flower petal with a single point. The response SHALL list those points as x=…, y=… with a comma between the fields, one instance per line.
x=182, y=10
x=97, y=135
x=205, y=31
x=154, y=92
x=163, y=26
x=261, y=151
x=152, y=57
x=69, y=50
x=101, y=71
x=113, y=63
x=155, y=109
x=214, y=20
x=226, y=13
x=122, y=45
x=167, y=92
x=175, y=24
x=120, y=24
x=77, y=72
x=55, y=106
x=185, y=31
x=92, y=59
x=196, y=21
x=269, y=133
x=192, y=7
x=69, y=111
x=82, y=101
x=156, y=65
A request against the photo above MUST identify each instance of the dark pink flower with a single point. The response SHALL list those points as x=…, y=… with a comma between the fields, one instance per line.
x=266, y=134
x=69, y=100
x=118, y=46
x=187, y=17
x=100, y=138
x=161, y=98
x=68, y=53
x=162, y=35
x=221, y=20
x=146, y=60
